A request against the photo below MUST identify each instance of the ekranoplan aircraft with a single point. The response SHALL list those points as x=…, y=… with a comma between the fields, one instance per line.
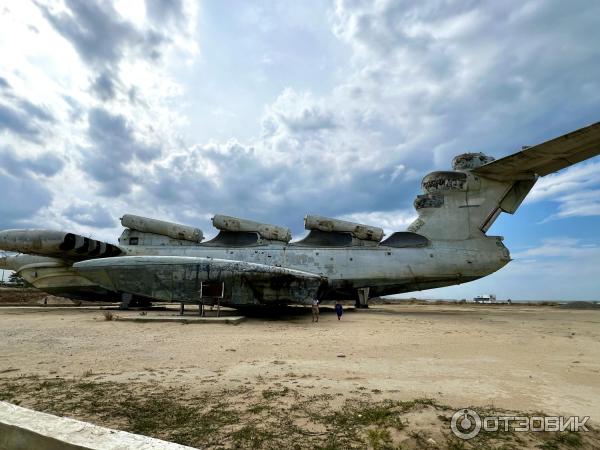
x=250, y=263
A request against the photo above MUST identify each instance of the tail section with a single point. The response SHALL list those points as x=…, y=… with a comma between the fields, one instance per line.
x=465, y=202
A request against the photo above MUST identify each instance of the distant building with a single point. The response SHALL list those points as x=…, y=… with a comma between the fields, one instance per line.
x=486, y=298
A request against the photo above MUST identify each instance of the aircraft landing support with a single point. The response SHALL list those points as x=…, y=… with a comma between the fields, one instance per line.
x=363, y=298
x=125, y=300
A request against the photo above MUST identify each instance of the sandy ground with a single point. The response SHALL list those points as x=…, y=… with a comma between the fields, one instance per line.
x=513, y=357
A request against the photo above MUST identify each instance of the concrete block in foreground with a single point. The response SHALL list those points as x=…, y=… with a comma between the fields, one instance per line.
x=232, y=320
x=24, y=429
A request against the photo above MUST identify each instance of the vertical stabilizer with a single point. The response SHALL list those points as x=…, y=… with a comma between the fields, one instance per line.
x=465, y=202
x=459, y=204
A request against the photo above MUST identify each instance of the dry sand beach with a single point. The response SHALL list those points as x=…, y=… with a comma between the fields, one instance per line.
x=287, y=381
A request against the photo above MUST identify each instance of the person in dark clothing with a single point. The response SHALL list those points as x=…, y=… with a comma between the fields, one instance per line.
x=339, y=310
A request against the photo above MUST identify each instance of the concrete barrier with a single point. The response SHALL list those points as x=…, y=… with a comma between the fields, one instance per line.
x=25, y=429
x=229, y=320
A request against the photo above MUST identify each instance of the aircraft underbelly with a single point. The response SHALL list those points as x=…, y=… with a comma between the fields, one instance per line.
x=182, y=279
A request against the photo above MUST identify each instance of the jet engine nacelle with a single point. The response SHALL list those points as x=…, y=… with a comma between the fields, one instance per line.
x=358, y=230
x=265, y=230
x=55, y=243
x=162, y=228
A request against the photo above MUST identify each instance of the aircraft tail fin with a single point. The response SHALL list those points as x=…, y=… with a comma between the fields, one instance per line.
x=465, y=202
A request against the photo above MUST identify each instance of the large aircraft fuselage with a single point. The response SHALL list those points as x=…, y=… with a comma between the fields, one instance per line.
x=385, y=270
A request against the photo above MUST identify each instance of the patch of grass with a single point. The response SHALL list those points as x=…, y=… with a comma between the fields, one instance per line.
x=332, y=442
x=273, y=393
x=184, y=424
x=379, y=439
x=258, y=418
x=549, y=445
x=365, y=413
x=570, y=438
x=455, y=444
x=559, y=440
x=88, y=386
x=258, y=408
x=419, y=437
x=250, y=436
x=108, y=315
x=421, y=402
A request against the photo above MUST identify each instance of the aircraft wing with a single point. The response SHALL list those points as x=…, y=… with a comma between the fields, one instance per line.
x=545, y=158
x=181, y=278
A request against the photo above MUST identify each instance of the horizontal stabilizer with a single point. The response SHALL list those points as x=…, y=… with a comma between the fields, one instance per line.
x=545, y=158
x=180, y=278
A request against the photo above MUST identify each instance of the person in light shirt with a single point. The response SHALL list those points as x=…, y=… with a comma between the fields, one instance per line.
x=315, y=310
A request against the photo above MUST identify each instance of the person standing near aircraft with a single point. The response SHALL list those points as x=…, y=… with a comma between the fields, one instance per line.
x=315, y=310
x=339, y=309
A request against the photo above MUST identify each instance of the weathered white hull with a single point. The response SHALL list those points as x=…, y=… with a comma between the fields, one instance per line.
x=155, y=272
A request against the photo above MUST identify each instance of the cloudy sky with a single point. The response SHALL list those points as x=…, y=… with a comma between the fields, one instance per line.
x=271, y=110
